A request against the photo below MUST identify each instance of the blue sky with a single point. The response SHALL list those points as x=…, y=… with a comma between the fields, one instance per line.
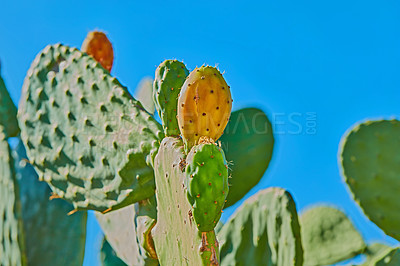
x=337, y=62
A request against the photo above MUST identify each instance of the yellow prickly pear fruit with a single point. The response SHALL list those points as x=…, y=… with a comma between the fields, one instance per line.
x=204, y=105
x=97, y=45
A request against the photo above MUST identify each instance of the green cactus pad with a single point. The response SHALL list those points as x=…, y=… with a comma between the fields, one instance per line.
x=144, y=94
x=46, y=222
x=11, y=231
x=248, y=143
x=169, y=78
x=328, y=236
x=8, y=112
x=108, y=257
x=375, y=252
x=386, y=257
x=263, y=231
x=145, y=220
x=371, y=168
x=85, y=135
x=120, y=230
x=207, y=184
x=177, y=240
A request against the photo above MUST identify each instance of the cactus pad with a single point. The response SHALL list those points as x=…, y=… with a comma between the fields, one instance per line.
x=45, y=221
x=204, y=105
x=85, y=135
x=144, y=94
x=328, y=236
x=169, y=78
x=177, y=240
x=248, y=143
x=97, y=45
x=371, y=168
x=207, y=184
x=120, y=230
x=8, y=112
x=263, y=231
x=108, y=257
x=11, y=232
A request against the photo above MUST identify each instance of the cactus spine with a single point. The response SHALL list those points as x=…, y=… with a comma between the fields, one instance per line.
x=204, y=105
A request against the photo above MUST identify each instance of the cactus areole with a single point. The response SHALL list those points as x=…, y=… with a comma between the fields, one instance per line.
x=204, y=105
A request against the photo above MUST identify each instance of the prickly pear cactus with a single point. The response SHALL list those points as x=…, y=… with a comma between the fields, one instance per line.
x=8, y=112
x=176, y=238
x=144, y=94
x=248, y=143
x=11, y=231
x=263, y=231
x=46, y=221
x=85, y=135
x=120, y=230
x=389, y=257
x=374, y=252
x=145, y=220
x=108, y=257
x=97, y=45
x=370, y=159
x=169, y=78
x=207, y=184
x=328, y=236
x=204, y=105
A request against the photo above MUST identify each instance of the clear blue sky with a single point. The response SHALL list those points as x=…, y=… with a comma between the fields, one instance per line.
x=339, y=60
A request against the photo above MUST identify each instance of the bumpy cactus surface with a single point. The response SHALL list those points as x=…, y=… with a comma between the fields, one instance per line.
x=248, y=142
x=176, y=238
x=8, y=112
x=263, y=231
x=204, y=105
x=370, y=159
x=328, y=236
x=12, y=250
x=207, y=184
x=85, y=135
x=97, y=45
x=169, y=78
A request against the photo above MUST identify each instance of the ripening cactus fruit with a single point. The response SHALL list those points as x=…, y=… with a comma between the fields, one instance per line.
x=169, y=78
x=207, y=184
x=204, y=105
x=97, y=45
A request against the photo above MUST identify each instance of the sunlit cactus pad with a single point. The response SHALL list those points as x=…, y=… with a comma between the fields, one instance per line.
x=264, y=230
x=370, y=159
x=84, y=134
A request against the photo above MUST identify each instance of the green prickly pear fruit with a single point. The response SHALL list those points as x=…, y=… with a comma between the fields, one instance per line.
x=206, y=183
x=204, y=105
x=99, y=46
x=169, y=78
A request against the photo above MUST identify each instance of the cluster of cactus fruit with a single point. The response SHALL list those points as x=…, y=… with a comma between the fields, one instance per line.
x=159, y=189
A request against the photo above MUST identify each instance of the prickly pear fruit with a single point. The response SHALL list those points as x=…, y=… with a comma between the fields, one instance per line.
x=97, y=45
x=207, y=184
x=204, y=105
x=169, y=78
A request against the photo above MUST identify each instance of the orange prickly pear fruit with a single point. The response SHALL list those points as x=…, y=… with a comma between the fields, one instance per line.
x=97, y=45
x=204, y=105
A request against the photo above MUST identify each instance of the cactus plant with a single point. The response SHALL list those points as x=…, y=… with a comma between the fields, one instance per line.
x=328, y=236
x=86, y=159
x=207, y=184
x=11, y=232
x=370, y=160
x=169, y=78
x=144, y=94
x=248, y=143
x=108, y=256
x=97, y=45
x=8, y=112
x=263, y=231
x=204, y=106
